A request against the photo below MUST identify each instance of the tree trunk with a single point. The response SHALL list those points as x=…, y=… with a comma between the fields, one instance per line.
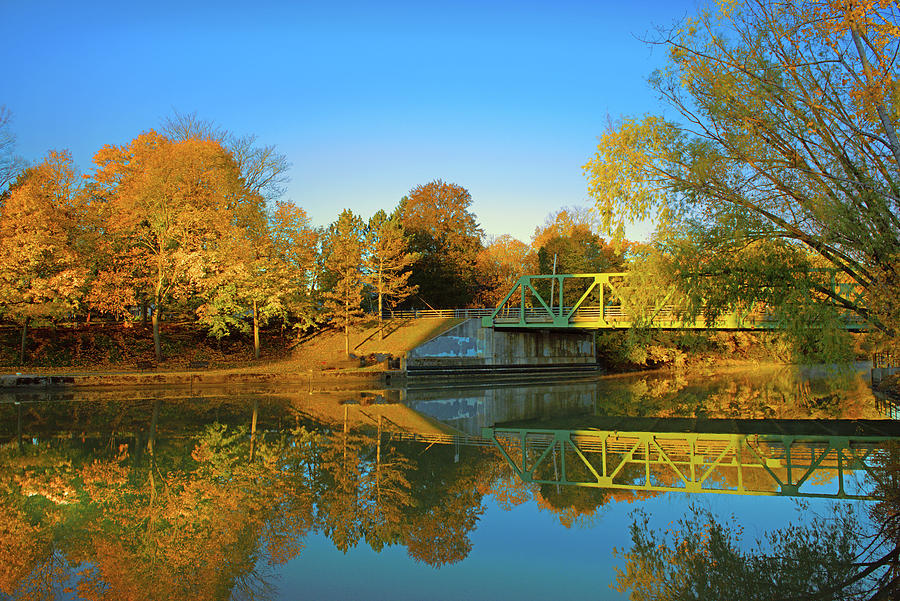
x=156, y=346
x=22, y=348
x=346, y=434
x=255, y=331
x=378, y=465
x=380, y=295
x=347, y=326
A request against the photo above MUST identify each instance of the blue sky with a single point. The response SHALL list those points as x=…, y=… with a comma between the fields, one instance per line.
x=367, y=100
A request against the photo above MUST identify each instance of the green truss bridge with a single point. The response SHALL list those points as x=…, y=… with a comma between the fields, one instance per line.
x=597, y=301
x=793, y=458
x=830, y=459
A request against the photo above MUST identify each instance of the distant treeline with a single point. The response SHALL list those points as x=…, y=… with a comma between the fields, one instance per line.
x=190, y=222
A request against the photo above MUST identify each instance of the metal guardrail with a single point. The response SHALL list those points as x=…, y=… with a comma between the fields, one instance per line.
x=438, y=313
x=611, y=314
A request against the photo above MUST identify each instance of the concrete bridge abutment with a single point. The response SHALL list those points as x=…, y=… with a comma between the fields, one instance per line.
x=470, y=345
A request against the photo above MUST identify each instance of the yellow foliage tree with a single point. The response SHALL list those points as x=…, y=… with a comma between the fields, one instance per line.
x=42, y=243
x=787, y=133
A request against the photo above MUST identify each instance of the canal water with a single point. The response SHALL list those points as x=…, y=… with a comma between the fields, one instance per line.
x=462, y=491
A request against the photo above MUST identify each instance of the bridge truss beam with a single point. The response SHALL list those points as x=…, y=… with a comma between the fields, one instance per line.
x=739, y=464
x=598, y=301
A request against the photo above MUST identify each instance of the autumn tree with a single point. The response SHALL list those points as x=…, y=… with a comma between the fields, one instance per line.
x=239, y=278
x=172, y=203
x=786, y=133
x=259, y=281
x=444, y=232
x=265, y=272
x=295, y=244
x=568, y=236
x=43, y=243
x=388, y=263
x=499, y=266
x=343, y=255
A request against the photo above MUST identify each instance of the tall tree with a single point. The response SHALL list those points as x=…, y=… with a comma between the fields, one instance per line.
x=173, y=202
x=444, y=231
x=42, y=252
x=295, y=246
x=787, y=133
x=345, y=240
x=388, y=262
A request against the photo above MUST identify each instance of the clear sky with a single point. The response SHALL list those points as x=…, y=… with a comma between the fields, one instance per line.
x=367, y=100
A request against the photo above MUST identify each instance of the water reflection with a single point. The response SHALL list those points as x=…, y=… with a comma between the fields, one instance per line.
x=153, y=501
x=784, y=392
x=179, y=493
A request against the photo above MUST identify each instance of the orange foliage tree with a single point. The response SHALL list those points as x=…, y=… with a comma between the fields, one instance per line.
x=500, y=264
x=444, y=232
x=43, y=243
x=172, y=205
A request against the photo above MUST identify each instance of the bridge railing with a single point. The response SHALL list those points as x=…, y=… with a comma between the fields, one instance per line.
x=438, y=313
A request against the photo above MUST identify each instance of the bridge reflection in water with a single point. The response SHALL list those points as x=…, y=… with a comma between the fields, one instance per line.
x=795, y=458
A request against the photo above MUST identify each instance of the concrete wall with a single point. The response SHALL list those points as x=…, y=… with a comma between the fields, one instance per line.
x=470, y=344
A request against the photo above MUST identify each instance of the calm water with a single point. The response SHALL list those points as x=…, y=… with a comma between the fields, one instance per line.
x=396, y=494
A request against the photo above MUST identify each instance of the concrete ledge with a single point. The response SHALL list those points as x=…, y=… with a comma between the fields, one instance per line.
x=30, y=381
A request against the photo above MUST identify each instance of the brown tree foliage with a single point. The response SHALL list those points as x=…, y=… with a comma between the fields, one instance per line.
x=444, y=232
x=500, y=264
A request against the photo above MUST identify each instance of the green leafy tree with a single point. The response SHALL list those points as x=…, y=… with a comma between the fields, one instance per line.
x=787, y=133
x=702, y=558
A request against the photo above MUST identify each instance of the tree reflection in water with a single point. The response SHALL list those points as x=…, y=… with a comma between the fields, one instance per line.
x=194, y=517
x=163, y=500
x=833, y=557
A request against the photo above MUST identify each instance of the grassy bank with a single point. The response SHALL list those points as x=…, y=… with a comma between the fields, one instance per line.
x=117, y=348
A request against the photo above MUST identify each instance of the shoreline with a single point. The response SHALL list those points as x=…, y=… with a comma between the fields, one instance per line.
x=281, y=374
